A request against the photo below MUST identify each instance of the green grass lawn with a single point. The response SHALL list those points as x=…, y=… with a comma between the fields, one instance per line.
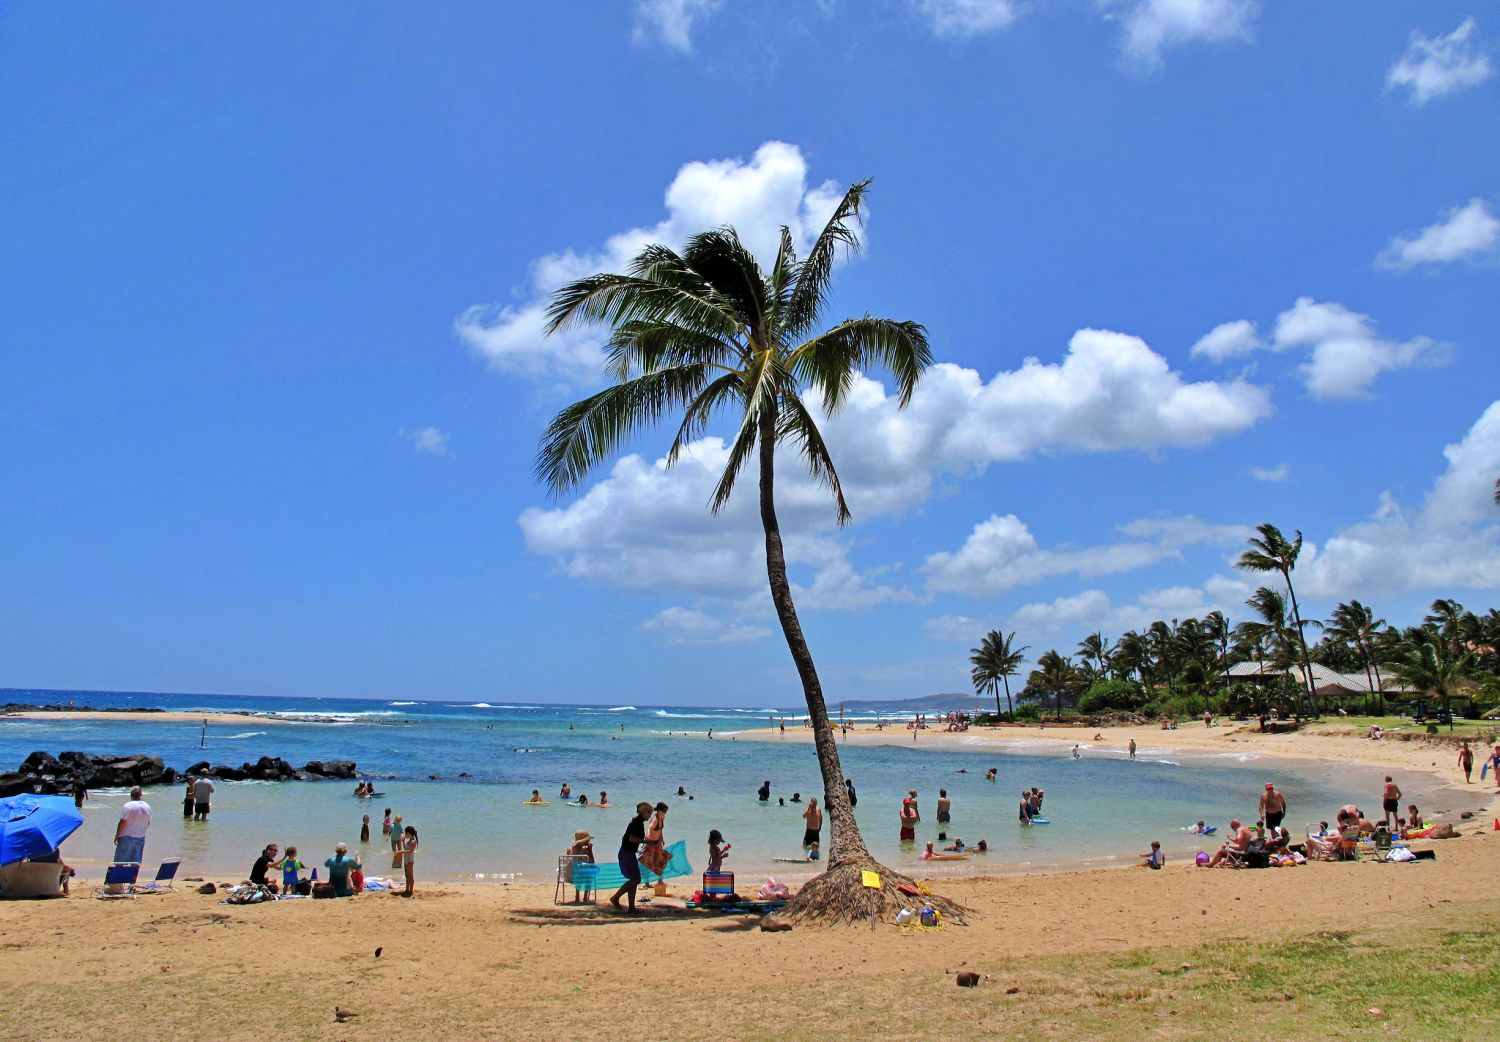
x=1474, y=729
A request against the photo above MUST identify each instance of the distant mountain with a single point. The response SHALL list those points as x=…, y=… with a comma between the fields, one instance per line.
x=946, y=702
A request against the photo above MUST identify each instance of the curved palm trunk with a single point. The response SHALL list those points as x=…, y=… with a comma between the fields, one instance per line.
x=847, y=845
x=1307, y=676
x=1009, y=707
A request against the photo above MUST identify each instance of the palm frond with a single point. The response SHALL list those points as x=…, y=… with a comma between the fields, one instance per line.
x=695, y=418
x=640, y=347
x=760, y=384
x=798, y=425
x=841, y=233
x=829, y=362
x=588, y=432
x=722, y=261
x=612, y=300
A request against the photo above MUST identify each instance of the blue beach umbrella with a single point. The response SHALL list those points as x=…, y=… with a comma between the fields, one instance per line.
x=33, y=825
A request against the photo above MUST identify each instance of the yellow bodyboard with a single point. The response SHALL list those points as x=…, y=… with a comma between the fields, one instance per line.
x=870, y=879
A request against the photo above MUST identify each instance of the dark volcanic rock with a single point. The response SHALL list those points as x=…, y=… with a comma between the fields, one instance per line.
x=15, y=783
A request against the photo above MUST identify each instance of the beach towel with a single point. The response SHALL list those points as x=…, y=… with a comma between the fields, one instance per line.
x=609, y=877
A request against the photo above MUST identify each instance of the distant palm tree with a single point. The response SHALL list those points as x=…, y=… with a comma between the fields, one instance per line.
x=995, y=661
x=1354, y=624
x=707, y=331
x=1095, y=650
x=1270, y=551
x=1054, y=673
x=1428, y=663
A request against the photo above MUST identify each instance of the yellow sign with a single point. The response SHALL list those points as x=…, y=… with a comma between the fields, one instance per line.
x=870, y=879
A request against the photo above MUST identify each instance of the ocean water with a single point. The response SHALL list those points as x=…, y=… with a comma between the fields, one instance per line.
x=1103, y=808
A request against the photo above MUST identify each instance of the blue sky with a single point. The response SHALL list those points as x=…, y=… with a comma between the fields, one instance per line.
x=272, y=385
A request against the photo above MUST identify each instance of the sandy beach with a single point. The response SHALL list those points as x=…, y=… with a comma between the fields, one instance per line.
x=1322, y=741
x=475, y=961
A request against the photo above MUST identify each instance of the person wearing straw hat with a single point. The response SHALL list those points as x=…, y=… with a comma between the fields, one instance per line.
x=583, y=845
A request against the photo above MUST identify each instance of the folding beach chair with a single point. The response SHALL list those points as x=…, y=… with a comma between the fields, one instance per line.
x=119, y=880
x=718, y=885
x=163, y=881
x=1327, y=851
x=577, y=871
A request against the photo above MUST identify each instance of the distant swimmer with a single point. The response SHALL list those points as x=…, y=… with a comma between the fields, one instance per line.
x=764, y=792
x=536, y=797
x=603, y=798
x=1077, y=755
x=565, y=792
x=989, y=775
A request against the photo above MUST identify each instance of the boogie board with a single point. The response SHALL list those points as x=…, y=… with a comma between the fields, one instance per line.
x=369, y=795
x=1041, y=821
x=536, y=803
x=794, y=860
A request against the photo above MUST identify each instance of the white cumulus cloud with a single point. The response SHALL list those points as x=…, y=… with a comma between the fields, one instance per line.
x=691, y=626
x=1001, y=553
x=956, y=629
x=1227, y=340
x=1469, y=231
x=1436, y=65
x=671, y=21
x=961, y=19
x=1343, y=353
x=757, y=196
x=1154, y=26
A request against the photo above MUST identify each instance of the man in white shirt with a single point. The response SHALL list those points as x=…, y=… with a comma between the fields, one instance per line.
x=130, y=833
x=203, y=791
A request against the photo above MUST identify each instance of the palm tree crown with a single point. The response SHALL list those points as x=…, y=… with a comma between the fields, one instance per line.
x=995, y=661
x=1270, y=551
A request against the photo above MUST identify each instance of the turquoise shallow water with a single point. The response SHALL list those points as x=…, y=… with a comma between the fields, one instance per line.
x=1103, y=808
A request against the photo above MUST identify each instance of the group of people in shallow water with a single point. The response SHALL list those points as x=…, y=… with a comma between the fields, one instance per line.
x=346, y=875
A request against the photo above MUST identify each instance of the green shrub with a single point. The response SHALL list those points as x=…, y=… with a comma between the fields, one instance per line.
x=1104, y=696
x=1028, y=711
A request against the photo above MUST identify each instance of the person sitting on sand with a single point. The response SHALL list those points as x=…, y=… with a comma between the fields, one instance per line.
x=340, y=867
x=1239, y=842
x=1277, y=840
x=582, y=846
x=1413, y=817
x=1154, y=858
x=536, y=797
x=259, y=874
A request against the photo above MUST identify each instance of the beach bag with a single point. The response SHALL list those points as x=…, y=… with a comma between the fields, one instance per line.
x=246, y=895
x=304, y=887
x=357, y=880
x=322, y=890
x=772, y=889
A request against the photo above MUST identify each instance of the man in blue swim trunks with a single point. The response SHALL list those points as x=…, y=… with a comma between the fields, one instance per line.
x=630, y=845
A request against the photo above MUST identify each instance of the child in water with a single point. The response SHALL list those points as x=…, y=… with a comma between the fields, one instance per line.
x=364, y=830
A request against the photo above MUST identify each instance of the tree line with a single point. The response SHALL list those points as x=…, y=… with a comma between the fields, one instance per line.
x=1178, y=668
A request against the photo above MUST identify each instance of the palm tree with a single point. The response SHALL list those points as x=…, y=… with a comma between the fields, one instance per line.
x=1355, y=624
x=1270, y=551
x=1095, y=650
x=1054, y=673
x=995, y=662
x=706, y=331
x=1426, y=662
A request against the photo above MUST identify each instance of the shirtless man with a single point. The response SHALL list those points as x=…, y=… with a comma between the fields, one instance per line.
x=813, y=815
x=1391, y=801
x=1272, y=806
x=1239, y=842
x=944, y=805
